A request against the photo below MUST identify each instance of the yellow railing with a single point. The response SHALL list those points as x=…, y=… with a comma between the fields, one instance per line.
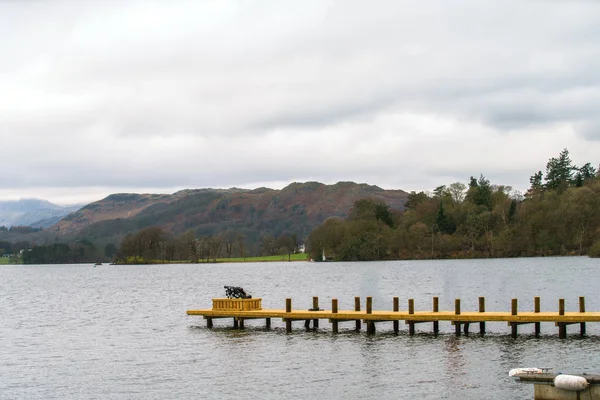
x=237, y=304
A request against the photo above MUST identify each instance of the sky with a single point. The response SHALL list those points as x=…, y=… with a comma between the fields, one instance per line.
x=101, y=97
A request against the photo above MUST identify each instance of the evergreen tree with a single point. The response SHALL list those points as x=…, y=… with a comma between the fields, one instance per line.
x=587, y=172
x=578, y=179
x=480, y=192
x=536, y=181
x=472, y=182
x=559, y=171
x=512, y=210
x=537, y=186
x=443, y=223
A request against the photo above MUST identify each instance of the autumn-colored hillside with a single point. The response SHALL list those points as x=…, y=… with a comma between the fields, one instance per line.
x=296, y=209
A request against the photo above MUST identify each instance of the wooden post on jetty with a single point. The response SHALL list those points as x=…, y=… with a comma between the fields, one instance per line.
x=457, y=312
x=334, y=310
x=562, y=327
x=582, y=310
x=209, y=322
x=411, y=310
x=235, y=323
x=288, y=309
x=315, y=308
x=514, y=309
x=436, y=308
x=370, y=324
x=482, y=310
x=357, y=308
x=396, y=308
x=536, y=309
x=268, y=323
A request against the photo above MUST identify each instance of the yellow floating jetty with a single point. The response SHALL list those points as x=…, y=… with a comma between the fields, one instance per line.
x=242, y=309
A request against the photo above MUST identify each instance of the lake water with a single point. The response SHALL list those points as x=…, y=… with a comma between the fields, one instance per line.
x=121, y=332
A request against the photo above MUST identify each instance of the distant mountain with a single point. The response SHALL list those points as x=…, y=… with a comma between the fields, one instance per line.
x=33, y=212
x=297, y=208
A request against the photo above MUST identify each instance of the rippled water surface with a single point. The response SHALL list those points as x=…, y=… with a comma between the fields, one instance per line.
x=110, y=332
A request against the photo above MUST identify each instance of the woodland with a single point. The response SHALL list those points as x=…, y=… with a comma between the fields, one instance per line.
x=558, y=215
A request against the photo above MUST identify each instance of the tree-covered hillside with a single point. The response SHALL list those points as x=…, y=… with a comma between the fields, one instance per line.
x=559, y=215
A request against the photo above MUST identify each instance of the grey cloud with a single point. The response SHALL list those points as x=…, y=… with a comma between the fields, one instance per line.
x=120, y=77
x=179, y=81
x=590, y=129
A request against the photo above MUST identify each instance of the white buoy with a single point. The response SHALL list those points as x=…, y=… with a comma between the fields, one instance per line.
x=572, y=383
x=516, y=371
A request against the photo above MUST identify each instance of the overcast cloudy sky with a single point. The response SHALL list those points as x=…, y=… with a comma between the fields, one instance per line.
x=98, y=97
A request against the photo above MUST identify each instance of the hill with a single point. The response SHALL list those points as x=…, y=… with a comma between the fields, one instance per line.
x=32, y=212
x=297, y=209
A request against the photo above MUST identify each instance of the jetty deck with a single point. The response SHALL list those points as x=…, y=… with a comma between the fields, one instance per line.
x=418, y=316
x=410, y=316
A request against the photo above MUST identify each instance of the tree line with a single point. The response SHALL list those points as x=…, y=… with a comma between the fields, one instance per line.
x=7, y=247
x=153, y=244
x=559, y=215
x=62, y=253
x=19, y=229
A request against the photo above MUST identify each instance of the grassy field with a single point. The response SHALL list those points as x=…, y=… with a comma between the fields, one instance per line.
x=295, y=257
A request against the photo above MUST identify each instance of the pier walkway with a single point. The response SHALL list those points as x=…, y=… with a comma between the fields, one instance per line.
x=370, y=317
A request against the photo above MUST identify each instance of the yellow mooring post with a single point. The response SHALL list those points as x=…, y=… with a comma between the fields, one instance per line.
x=457, y=312
x=334, y=310
x=536, y=309
x=370, y=324
x=482, y=310
x=288, y=309
x=315, y=308
x=562, y=327
x=396, y=308
x=436, y=308
x=357, y=308
x=582, y=310
x=411, y=310
x=513, y=311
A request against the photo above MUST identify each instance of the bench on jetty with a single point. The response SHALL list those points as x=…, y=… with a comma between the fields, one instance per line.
x=242, y=309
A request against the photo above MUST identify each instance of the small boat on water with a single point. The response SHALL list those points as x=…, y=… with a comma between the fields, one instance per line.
x=98, y=263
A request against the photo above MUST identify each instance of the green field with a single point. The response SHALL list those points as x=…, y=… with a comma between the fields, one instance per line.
x=280, y=258
x=294, y=257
